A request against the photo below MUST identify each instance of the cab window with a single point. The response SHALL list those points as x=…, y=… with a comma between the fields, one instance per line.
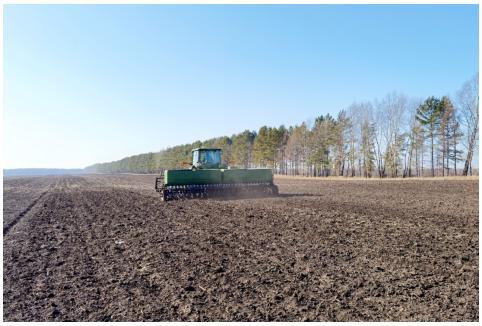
x=195, y=157
x=210, y=157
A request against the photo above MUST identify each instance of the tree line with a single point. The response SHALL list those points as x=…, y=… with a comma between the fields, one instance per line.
x=393, y=137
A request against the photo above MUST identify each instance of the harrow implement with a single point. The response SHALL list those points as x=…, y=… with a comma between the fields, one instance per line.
x=209, y=178
x=215, y=190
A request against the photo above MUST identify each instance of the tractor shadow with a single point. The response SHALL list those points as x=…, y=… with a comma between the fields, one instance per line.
x=284, y=195
x=249, y=196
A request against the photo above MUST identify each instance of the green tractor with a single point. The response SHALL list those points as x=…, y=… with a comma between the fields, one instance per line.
x=209, y=177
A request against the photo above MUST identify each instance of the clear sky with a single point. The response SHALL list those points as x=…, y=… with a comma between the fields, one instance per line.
x=88, y=84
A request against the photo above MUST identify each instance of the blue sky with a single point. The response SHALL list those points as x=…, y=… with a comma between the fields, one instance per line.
x=87, y=84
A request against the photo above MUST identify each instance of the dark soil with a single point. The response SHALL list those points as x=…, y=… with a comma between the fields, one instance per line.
x=105, y=248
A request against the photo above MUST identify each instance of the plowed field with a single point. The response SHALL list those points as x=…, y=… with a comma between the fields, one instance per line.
x=105, y=248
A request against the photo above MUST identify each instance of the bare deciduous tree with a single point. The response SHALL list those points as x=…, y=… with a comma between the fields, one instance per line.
x=468, y=101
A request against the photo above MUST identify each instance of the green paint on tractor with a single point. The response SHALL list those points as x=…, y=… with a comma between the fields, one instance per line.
x=190, y=177
x=247, y=176
x=209, y=177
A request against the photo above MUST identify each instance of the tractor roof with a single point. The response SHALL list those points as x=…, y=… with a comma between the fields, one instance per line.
x=206, y=149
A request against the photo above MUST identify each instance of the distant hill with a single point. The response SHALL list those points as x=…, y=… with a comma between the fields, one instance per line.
x=39, y=172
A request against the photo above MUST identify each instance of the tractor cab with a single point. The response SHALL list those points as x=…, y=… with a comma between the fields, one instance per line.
x=206, y=158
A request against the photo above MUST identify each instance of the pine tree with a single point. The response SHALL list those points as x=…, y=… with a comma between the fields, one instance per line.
x=454, y=140
x=428, y=114
x=241, y=148
x=446, y=115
